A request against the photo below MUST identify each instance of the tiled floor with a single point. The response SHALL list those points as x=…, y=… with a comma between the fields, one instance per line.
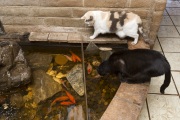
x=167, y=106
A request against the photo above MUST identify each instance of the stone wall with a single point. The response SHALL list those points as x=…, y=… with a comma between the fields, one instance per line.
x=22, y=15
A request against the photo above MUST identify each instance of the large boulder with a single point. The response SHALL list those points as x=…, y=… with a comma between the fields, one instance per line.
x=14, y=70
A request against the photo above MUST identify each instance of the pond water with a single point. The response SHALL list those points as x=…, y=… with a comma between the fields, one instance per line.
x=63, y=87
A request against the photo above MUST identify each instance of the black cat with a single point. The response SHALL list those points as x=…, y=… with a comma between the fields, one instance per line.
x=137, y=66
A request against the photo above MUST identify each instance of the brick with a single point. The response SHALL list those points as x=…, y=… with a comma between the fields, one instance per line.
x=37, y=36
x=127, y=102
x=58, y=37
x=74, y=38
x=52, y=12
x=55, y=21
x=105, y=3
x=153, y=35
x=61, y=3
x=79, y=12
x=18, y=28
x=157, y=17
x=12, y=20
x=75, y=22
x=160, y=5
x=142, y=13
x=141, y=3
x=15, y=11
x=19, y=2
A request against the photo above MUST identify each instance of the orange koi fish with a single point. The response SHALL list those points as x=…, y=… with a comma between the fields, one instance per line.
x=59, y=99
x=71, y=98
x=66, y=103
x=74, y=57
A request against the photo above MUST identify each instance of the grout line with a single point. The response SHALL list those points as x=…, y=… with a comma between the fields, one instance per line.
x=165, y=56
x=148, y=109
x=160, y=45
x=164, y=94
x=175, y=85
x=173, y=23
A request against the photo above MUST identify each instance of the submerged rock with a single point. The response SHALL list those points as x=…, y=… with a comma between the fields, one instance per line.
x=43, y=86
x=75, y=78
x=39, y=60
x=105, y=54
x=76, y=113
x=16, y=100
x=14, y=70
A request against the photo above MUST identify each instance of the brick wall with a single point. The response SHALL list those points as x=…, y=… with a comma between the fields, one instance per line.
x=18, y=15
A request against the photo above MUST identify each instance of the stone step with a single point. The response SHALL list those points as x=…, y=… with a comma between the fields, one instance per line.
x=61, y=34
x=73, y=37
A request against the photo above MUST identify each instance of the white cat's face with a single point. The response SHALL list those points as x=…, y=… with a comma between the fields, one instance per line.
x=88, y=18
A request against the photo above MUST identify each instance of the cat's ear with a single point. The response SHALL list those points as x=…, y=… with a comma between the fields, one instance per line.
x=83, y=17
x=91, y=18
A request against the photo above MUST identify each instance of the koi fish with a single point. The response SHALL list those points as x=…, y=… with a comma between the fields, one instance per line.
x=89, y=68
x=59, y=99
x=71, y=98
x=74, y=57
x=66, y=103
x=68, y=57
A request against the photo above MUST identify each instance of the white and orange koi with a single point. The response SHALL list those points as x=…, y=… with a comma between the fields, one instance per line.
x=89, y=68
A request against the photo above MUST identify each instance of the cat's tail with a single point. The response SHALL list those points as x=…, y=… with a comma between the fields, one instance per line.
x=144, y=35
x=166, y=81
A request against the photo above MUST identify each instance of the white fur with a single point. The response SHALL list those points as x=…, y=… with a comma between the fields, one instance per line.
x=130, y=28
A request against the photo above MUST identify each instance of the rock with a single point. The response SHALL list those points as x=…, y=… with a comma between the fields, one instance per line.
x=76, y=113
x=16, y=100
x=92, y=48
x=2, y=31
x=14, y=70
x=105, y=54
x=2, y=99
x=75, y=78
x=39, y=60
x=43, y=86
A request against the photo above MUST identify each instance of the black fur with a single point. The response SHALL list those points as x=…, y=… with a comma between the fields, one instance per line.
x=137, y=66
x=114, y=20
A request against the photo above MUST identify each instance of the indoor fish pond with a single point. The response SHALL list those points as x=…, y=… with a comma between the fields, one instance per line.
x=65, y=84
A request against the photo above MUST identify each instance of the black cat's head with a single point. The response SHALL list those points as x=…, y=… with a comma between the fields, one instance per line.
x=104, y=68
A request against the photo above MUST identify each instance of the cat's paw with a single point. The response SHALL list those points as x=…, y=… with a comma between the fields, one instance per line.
x=92, y=37
x=133, y=43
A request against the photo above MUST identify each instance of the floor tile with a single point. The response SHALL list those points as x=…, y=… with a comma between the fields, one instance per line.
x=173, y=11
x=176, y=77
x=144, y=113
x=174, y=60
x=167, y=31
x=170, y=44
x=166, y=21
x=165, y=12
x=172, y=4
x=176, y=19
x=156, y=83
x=157, y=46
x=164, y=107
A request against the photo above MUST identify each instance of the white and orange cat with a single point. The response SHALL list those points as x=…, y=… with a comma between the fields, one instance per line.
x=121, y=23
